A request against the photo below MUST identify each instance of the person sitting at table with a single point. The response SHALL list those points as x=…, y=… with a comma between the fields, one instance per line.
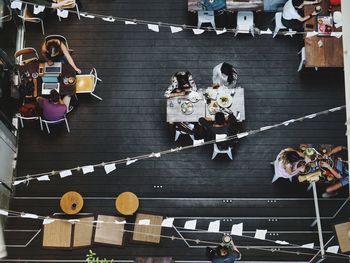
x=341, y=173
x=51, y=4
x=221, y=125
x=54, y=108
x=224, y=255
x=224, y=75
x=337, y=153
x=292, y=16
x=181, y=83
x=54, y=50
x=289, y=163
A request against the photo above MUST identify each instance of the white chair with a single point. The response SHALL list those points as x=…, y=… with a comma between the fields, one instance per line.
x=279, y=25
x=61, y=38
x=303, y=58
x=216, y=151
x=245, y=22
x=87, y=83
x=206, y=17
x=178, y=133
x=22, y=118
x=28, y=17
x=277, y=174
x=46, y=122
x=72, y=5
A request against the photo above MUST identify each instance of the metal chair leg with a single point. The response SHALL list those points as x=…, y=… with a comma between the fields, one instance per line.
x=42, y=27
x=47, y=128
x=66, y=121
x=96, y=96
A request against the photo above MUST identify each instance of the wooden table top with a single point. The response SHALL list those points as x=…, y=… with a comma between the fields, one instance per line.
x=331, y=53
x=231, y=5
x=68, y=200
x=127, y=203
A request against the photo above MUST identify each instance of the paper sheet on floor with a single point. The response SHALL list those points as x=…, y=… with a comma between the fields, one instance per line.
x=214, y=226
x=191, y=224
x=260, y=233
x=237, y=229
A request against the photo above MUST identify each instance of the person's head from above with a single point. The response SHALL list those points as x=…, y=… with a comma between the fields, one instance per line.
x=182, y=79
x=220, y=118
x=227, y=70
x=54, y=96
x=289, y=157
x=310, y=154
x=53, y=49
x=222, y=251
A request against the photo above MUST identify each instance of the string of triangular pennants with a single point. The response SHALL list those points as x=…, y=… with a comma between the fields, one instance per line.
x=112, y=165
x=155, y=26
x=214, y=227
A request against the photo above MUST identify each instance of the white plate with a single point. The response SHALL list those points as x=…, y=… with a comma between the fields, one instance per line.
x=194, y=96
x=224, y=100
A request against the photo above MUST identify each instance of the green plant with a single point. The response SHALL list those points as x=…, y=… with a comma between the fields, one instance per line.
x=92, y=258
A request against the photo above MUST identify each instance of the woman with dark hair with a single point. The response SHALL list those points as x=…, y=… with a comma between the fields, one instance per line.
x=292, y=15
x=224, y=75
x=54, y=50
x=288, y=163
x=181, y=82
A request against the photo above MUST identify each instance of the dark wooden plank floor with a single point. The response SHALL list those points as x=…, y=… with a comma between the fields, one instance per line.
x=135, y=65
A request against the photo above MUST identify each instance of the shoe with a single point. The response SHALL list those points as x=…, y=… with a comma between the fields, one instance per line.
x=331, y=194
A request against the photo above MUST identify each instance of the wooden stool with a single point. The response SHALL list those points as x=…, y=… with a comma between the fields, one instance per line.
x=71, y=203
x=127, y=203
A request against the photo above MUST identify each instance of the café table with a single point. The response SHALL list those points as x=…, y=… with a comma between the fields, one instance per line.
x=231, y=5
x=31, y=69
x=127, y=203
x=322, y=51
x=71, y=203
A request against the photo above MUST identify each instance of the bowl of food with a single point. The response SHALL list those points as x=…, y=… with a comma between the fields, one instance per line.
x=224, y=100
x=213, y=107
x=187, y=108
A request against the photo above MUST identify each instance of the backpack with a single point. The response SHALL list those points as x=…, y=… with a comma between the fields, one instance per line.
x=30, y=110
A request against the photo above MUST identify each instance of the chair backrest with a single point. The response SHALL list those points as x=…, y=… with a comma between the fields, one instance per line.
x=59, y=37
x=27, y=16
x=6, y=17
x=222, y=144
x=93, y=72
x=28, y=51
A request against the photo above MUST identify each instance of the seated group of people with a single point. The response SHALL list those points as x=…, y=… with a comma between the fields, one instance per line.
x=55, y=108
x=182, y=83
x=292, y=162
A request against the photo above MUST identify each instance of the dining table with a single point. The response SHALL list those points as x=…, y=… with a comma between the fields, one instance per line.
x=231, y=5
x=202, y=105
x=322, y=50
x=32, y=71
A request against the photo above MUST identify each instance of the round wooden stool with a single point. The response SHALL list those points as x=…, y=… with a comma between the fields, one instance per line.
x=71, y=203
x=127, y=203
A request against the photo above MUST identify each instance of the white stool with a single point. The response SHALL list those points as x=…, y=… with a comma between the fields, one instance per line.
x=206, y=17
x=216, y=151
x=303, y=58
x=279, y=25
x=277, y=175
x=245, y=22
x=178, y=133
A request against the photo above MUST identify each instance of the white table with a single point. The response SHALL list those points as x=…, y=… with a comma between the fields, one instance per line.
x=174, y=113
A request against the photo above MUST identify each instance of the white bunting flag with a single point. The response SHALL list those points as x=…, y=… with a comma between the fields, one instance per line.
x=309, y=245
x=266, y=32
x=48, y=221
x=219, y=32
x=333, y=249
x=108, y=19
x=197, y=31
x=110, y=168
x=145, y=222
x=98, y=221
x=260, y=234
x=286, y=123
x=16, y=4
x=176, y=149
x=237, y=229
x=290, y=33
x=311, y=116
x=153, y=27
x=120, y=222
x=243, y=134
x=38, y=9
x=281, y=242
x=130, y=23
x=62, y=13
x=157, y=155
x=198, y=142
x=191, y=224
x=4, y=213
x=214, y=226
x=27, y=215
x=43, y=178
x=168, y=222
x=19, y=182
x=65, y=173
x=87, y=169
x=87, y=15
x=337, y=34
x=335, y=109
x=311, y=34
x=265, y=128
x=131, y=161
x=175, y=29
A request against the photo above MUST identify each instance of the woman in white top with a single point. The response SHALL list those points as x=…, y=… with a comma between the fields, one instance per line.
x=292, y=16
x=224, y=75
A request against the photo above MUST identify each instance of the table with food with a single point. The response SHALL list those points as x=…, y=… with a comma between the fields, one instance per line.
x=205, y=103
